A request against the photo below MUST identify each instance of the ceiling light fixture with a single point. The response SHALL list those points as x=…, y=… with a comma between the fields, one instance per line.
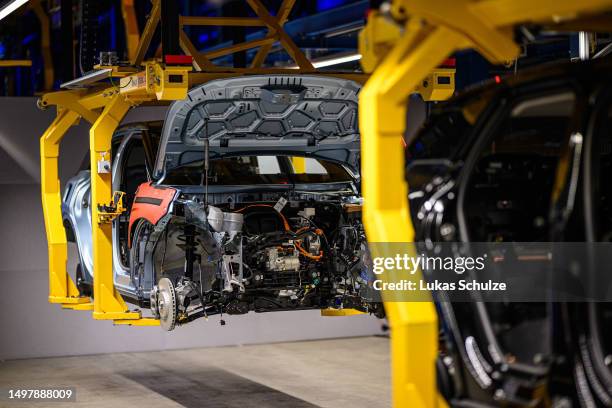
x=331, y=60
x=10, y=7
x=336, y=60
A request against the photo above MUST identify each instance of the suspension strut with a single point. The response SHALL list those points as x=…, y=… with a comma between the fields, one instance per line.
x=190, y=255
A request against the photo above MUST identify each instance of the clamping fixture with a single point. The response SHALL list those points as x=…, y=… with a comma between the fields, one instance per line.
x=107, y=213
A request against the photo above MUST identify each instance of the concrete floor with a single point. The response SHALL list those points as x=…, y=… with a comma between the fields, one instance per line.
x=352, y=372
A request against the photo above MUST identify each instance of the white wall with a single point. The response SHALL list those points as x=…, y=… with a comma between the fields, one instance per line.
x=31, y=327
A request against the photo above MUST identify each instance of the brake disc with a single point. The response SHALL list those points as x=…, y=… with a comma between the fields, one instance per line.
x=166, y=304
x=153, y=301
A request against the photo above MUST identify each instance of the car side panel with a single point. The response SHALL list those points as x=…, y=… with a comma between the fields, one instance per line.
x=76, y=210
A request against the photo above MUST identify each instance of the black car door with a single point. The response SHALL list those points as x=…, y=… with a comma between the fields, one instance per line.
x=504, y=195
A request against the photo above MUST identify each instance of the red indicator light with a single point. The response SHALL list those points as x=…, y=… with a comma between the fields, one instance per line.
x=449, y=62
x=497, y=79
x=179, y=59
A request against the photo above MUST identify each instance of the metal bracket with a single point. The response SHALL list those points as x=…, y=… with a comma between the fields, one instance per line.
x=331, y=312
x=156, y=82
x=107, y=213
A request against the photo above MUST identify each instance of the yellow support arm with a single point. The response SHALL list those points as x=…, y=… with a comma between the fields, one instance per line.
x=108, y=303
x=61, y=286
x=15, y=63
x=429, y=31
x=414, y=327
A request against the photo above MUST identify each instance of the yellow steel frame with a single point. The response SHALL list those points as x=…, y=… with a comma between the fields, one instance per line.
x=104, y=109
x=202, y=61
x=15, y=63
x=430, y=31
x=132, y=34
x=61, y=287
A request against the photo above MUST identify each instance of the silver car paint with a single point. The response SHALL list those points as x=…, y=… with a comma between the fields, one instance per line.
x=76, y=209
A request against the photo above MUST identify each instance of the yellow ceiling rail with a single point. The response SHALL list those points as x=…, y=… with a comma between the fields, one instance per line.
x=15, y=63
x=247, y=45
x=222, y=21
x=430, y=31
x=202, y=60
x=275, y=25
x=283, y=14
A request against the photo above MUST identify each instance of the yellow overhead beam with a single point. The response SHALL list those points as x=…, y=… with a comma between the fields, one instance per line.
x=276, y=33
x=15, y=63
x=275, y=26
x=247, y=45
x=282, y=15
x=200, y=61
x=221, y=21
x=197, y=78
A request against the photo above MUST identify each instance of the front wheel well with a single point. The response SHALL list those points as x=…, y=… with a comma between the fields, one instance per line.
x=133, y=229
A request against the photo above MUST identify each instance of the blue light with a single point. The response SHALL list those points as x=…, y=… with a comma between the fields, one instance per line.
x=323, y=5
x=203, y=38
x=2, y=50
x=28, y=39
x=113, y=28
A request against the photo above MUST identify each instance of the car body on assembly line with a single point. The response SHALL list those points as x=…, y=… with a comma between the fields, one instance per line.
x=246, y=199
